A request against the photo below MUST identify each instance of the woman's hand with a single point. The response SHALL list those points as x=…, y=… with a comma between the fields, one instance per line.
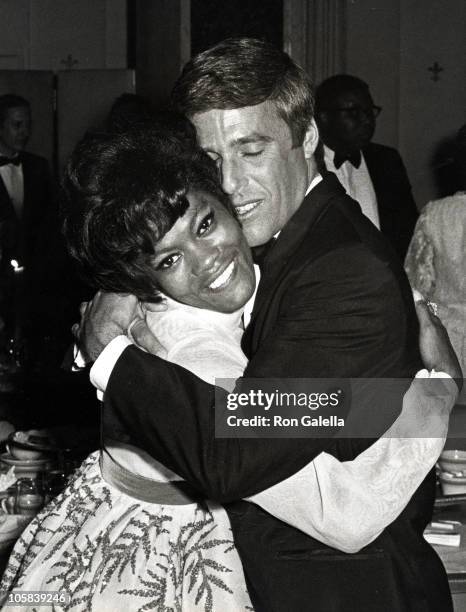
x=436, y=350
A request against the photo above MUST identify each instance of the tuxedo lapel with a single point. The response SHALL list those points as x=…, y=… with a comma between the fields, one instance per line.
x=382, y=177
x=280, y=260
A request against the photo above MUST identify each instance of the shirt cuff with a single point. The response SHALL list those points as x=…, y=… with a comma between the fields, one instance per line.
x=103, y=366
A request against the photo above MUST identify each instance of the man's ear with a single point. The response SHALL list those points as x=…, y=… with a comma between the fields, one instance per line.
x=311, y=140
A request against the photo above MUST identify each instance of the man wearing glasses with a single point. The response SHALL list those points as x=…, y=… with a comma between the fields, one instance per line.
x=372, y=174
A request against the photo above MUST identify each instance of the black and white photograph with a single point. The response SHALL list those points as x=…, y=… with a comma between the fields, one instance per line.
x=233, y=305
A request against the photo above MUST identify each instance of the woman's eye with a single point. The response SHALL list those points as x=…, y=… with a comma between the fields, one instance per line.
x=205, y=224
x=168, y=262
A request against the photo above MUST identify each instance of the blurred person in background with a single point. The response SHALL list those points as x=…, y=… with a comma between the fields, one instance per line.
x=372, y=174
x=436, y=259
x=26, y=195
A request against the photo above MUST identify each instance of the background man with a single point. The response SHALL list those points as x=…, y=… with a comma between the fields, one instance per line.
x=332, y=301
x=373, y=174
x=26, y=197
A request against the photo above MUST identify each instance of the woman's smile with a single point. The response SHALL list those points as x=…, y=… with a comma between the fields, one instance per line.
x=204, y=260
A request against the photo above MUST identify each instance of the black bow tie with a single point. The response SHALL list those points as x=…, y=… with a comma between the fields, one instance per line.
x=4, y=161
x=353, y=158
x=259, y=253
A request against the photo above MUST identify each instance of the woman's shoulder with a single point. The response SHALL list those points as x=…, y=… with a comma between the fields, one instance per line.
x=174, y=323
x=180, y=321
x=452, y=204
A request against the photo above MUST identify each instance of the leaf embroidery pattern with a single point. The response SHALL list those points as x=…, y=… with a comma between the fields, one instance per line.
x=96, y=551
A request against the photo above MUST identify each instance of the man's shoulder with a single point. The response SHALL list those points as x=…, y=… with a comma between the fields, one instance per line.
x=33, y=157
x=379, y=152
x=37, y=171
x=34, y=161
x=343, y=224
x=326, y=214
x=335, y=231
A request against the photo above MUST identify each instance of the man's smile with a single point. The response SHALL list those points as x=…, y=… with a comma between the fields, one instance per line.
x=243, y=210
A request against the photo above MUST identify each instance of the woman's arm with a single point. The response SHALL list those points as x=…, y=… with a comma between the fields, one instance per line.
x=345, y=504
x=348, y=504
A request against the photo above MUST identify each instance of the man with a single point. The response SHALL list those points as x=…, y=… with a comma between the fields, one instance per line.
x=372, y=174
x=25, y=200
x=332, y=301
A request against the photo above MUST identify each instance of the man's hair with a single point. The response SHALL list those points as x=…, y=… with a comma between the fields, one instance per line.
x=328, y=91
x=240, y=72
x=123, y=193
x=8, y=101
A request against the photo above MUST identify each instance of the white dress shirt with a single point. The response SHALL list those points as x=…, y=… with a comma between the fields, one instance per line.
x=13, y=180
x=357, y=183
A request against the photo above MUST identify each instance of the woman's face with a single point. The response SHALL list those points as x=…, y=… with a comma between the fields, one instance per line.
x=204, y=260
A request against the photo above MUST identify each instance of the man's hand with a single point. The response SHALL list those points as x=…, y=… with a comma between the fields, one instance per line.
x=105, y=317
x=140, y=332
x=142, y=336
x=436, y=350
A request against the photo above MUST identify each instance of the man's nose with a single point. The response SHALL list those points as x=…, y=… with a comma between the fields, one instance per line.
x=232, y=176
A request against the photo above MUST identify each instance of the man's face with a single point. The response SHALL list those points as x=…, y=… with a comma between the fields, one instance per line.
x=349, y=124
x=15, y=130
x=265, y=176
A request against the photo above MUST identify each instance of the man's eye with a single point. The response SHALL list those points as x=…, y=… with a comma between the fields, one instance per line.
x=168, y=262
x=205, y=224
x=253, y=153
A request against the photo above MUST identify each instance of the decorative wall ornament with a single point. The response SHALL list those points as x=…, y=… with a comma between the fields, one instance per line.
x=435, y=69
x=69, y=62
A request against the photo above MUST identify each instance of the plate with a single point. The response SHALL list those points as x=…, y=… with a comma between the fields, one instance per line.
x=452, y=460
x=32, y=440
x=9, y=460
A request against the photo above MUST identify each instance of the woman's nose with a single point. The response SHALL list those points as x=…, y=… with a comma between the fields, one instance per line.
x=206, y=258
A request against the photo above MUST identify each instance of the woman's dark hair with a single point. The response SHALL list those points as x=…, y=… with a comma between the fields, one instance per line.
x=123, y=193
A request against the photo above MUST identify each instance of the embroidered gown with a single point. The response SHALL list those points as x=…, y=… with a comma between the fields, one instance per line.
x=112, y=551
x=117, y=551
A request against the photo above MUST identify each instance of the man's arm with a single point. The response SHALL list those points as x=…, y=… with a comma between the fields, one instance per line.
x=224, y=469
x=170, y=414
x=347, y=505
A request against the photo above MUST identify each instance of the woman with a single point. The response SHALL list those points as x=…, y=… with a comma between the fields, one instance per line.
x=146, y=214
x=109, y=550
x=436, y=259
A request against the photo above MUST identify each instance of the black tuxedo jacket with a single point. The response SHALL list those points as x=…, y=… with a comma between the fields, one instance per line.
x=19, y=236
x=397, y=209
x=24, y=238
x=333, y=301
